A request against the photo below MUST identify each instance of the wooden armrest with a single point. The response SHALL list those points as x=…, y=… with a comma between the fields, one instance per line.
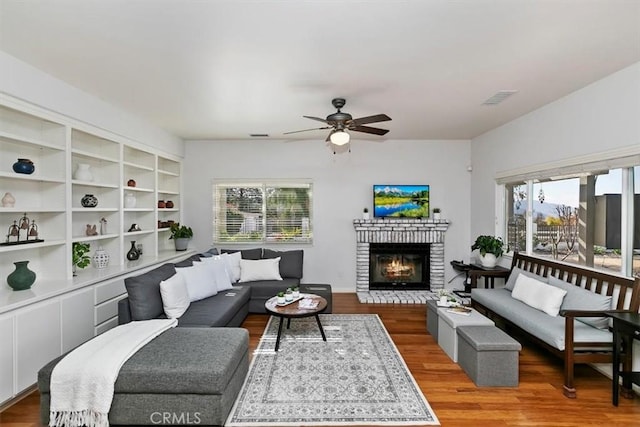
x=488, y=273
x=582, y=313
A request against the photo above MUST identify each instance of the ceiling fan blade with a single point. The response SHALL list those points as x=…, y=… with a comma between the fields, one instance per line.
x=306, y=130
x=315, y=118
x=371, y=119
x=369, y=129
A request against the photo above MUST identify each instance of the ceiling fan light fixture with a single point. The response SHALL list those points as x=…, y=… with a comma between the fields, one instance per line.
x=340, y=137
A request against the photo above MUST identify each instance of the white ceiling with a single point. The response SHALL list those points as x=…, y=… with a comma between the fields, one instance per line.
x=226, y=69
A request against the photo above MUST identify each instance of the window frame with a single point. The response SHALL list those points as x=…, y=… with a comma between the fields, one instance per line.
x=264, y=225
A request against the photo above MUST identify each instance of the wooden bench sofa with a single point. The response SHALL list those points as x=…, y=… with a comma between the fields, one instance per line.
x=572, y=349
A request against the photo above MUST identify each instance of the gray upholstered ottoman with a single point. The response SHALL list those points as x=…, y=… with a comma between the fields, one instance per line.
x=184, y=376
x=488, y=355
x=432, y=318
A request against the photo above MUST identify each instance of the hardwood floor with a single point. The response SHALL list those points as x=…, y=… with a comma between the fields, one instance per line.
x=538, y=401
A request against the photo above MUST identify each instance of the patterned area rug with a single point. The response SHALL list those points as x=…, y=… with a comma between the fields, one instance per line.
x=357, y=377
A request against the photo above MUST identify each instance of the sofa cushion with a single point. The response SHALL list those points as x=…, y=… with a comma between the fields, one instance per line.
x=145, y=300
x=188, y=262
x=260, y=269
x=538, y=295
x=218, y=270
x=232, y=261
x=291, y=262
x=217, y=310
x=175, y=296
x=539, y=324
x=200, y=282
x=255, y=253
x=581, y=299
x=515, y=271
x=264, y=289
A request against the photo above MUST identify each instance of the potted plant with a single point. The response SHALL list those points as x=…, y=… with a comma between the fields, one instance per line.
x=296, y=292
x=490, y=249
x=80, y=258
x=288, y=296
x=181, y=234
x=436, y=213
x=280, y=299
x=365, y=213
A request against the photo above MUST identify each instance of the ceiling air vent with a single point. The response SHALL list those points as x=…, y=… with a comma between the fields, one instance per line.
x=258, y=135
x=500, y=96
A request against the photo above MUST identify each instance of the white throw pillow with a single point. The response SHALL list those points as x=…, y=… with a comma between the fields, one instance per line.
x=218, y=270
x=175, y=296
x=261, y=269
x=233, y=265
x=199, y=281
x=538, y=295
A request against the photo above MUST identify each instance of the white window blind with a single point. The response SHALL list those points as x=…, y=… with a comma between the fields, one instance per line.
x=266, y=211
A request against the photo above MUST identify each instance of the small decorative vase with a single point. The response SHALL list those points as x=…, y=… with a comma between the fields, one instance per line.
x=296, y=293
x=83, y=172
x=131, y=183
x=100, y=258
x=443, y=300
x=130, y=201
x=280, y=300
x=25, y=166
x=161, y=204
x=181, y=243
x=133, y=253
x=288, y=296
x=365, y=215
x=8, y=201
x=436, y=216
x=89, y=201
x=169, y=204
x=22, y=278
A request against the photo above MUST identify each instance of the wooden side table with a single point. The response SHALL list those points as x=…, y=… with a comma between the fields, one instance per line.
x=626, y=328
x=477, y=270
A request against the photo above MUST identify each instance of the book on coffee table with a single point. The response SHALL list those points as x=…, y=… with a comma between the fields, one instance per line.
x=460, y=310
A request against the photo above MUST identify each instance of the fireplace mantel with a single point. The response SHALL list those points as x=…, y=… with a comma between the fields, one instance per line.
x=400, y=230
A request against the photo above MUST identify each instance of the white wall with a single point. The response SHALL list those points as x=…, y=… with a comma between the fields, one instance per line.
x=342, y=187
x=25, y=82
x=602, y=116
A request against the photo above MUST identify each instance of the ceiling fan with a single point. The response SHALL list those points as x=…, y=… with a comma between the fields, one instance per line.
x=340, y=123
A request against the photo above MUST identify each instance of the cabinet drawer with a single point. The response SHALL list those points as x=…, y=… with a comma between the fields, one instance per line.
x=107, y=310
x=109, y=324
x=107, y=291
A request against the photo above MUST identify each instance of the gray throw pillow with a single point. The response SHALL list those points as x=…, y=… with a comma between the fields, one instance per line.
x=578, y=298
x=290, y=262
x=511, y=282
x=145, y=300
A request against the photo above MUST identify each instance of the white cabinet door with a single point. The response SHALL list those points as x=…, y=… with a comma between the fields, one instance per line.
x=38, y=341
x=77, y=319
x=6, y=359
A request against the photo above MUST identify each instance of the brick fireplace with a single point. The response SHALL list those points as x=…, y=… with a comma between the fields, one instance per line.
x=400, y=231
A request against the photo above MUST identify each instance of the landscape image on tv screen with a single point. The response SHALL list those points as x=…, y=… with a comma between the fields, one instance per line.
x=401, y=201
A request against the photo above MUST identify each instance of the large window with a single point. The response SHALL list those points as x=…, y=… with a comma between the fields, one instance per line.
x=262, y=211
x=588, y=216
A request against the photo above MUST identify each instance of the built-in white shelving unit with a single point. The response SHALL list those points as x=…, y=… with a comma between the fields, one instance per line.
x=61, y=311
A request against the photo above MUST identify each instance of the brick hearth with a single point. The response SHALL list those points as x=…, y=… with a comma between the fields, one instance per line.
x=401, y=230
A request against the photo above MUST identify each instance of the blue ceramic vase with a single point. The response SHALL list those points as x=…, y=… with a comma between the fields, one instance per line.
x=25, y=166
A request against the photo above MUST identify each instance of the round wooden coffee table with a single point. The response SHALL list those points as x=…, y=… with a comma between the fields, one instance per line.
x=292, y=310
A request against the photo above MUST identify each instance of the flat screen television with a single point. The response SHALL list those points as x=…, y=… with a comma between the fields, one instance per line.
x=400, y=201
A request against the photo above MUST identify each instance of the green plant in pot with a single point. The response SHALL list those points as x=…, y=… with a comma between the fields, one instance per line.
x=79, y=252
x=181, y=234
x=490, y=249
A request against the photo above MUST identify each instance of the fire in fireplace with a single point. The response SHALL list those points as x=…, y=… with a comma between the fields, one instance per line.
x=399, y=266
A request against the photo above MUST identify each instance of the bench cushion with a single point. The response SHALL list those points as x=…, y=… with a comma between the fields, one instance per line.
x=582, y=299
x=537, y=323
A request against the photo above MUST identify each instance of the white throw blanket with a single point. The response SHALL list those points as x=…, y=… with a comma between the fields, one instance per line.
x=82, y=383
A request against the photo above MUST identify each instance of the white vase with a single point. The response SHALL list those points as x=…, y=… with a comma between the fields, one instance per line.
x=130, y=201
x=365, y=215
x=100, y=258
x=83, y=172
x=436, y=216
x=8, y=201
x=488, y=260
